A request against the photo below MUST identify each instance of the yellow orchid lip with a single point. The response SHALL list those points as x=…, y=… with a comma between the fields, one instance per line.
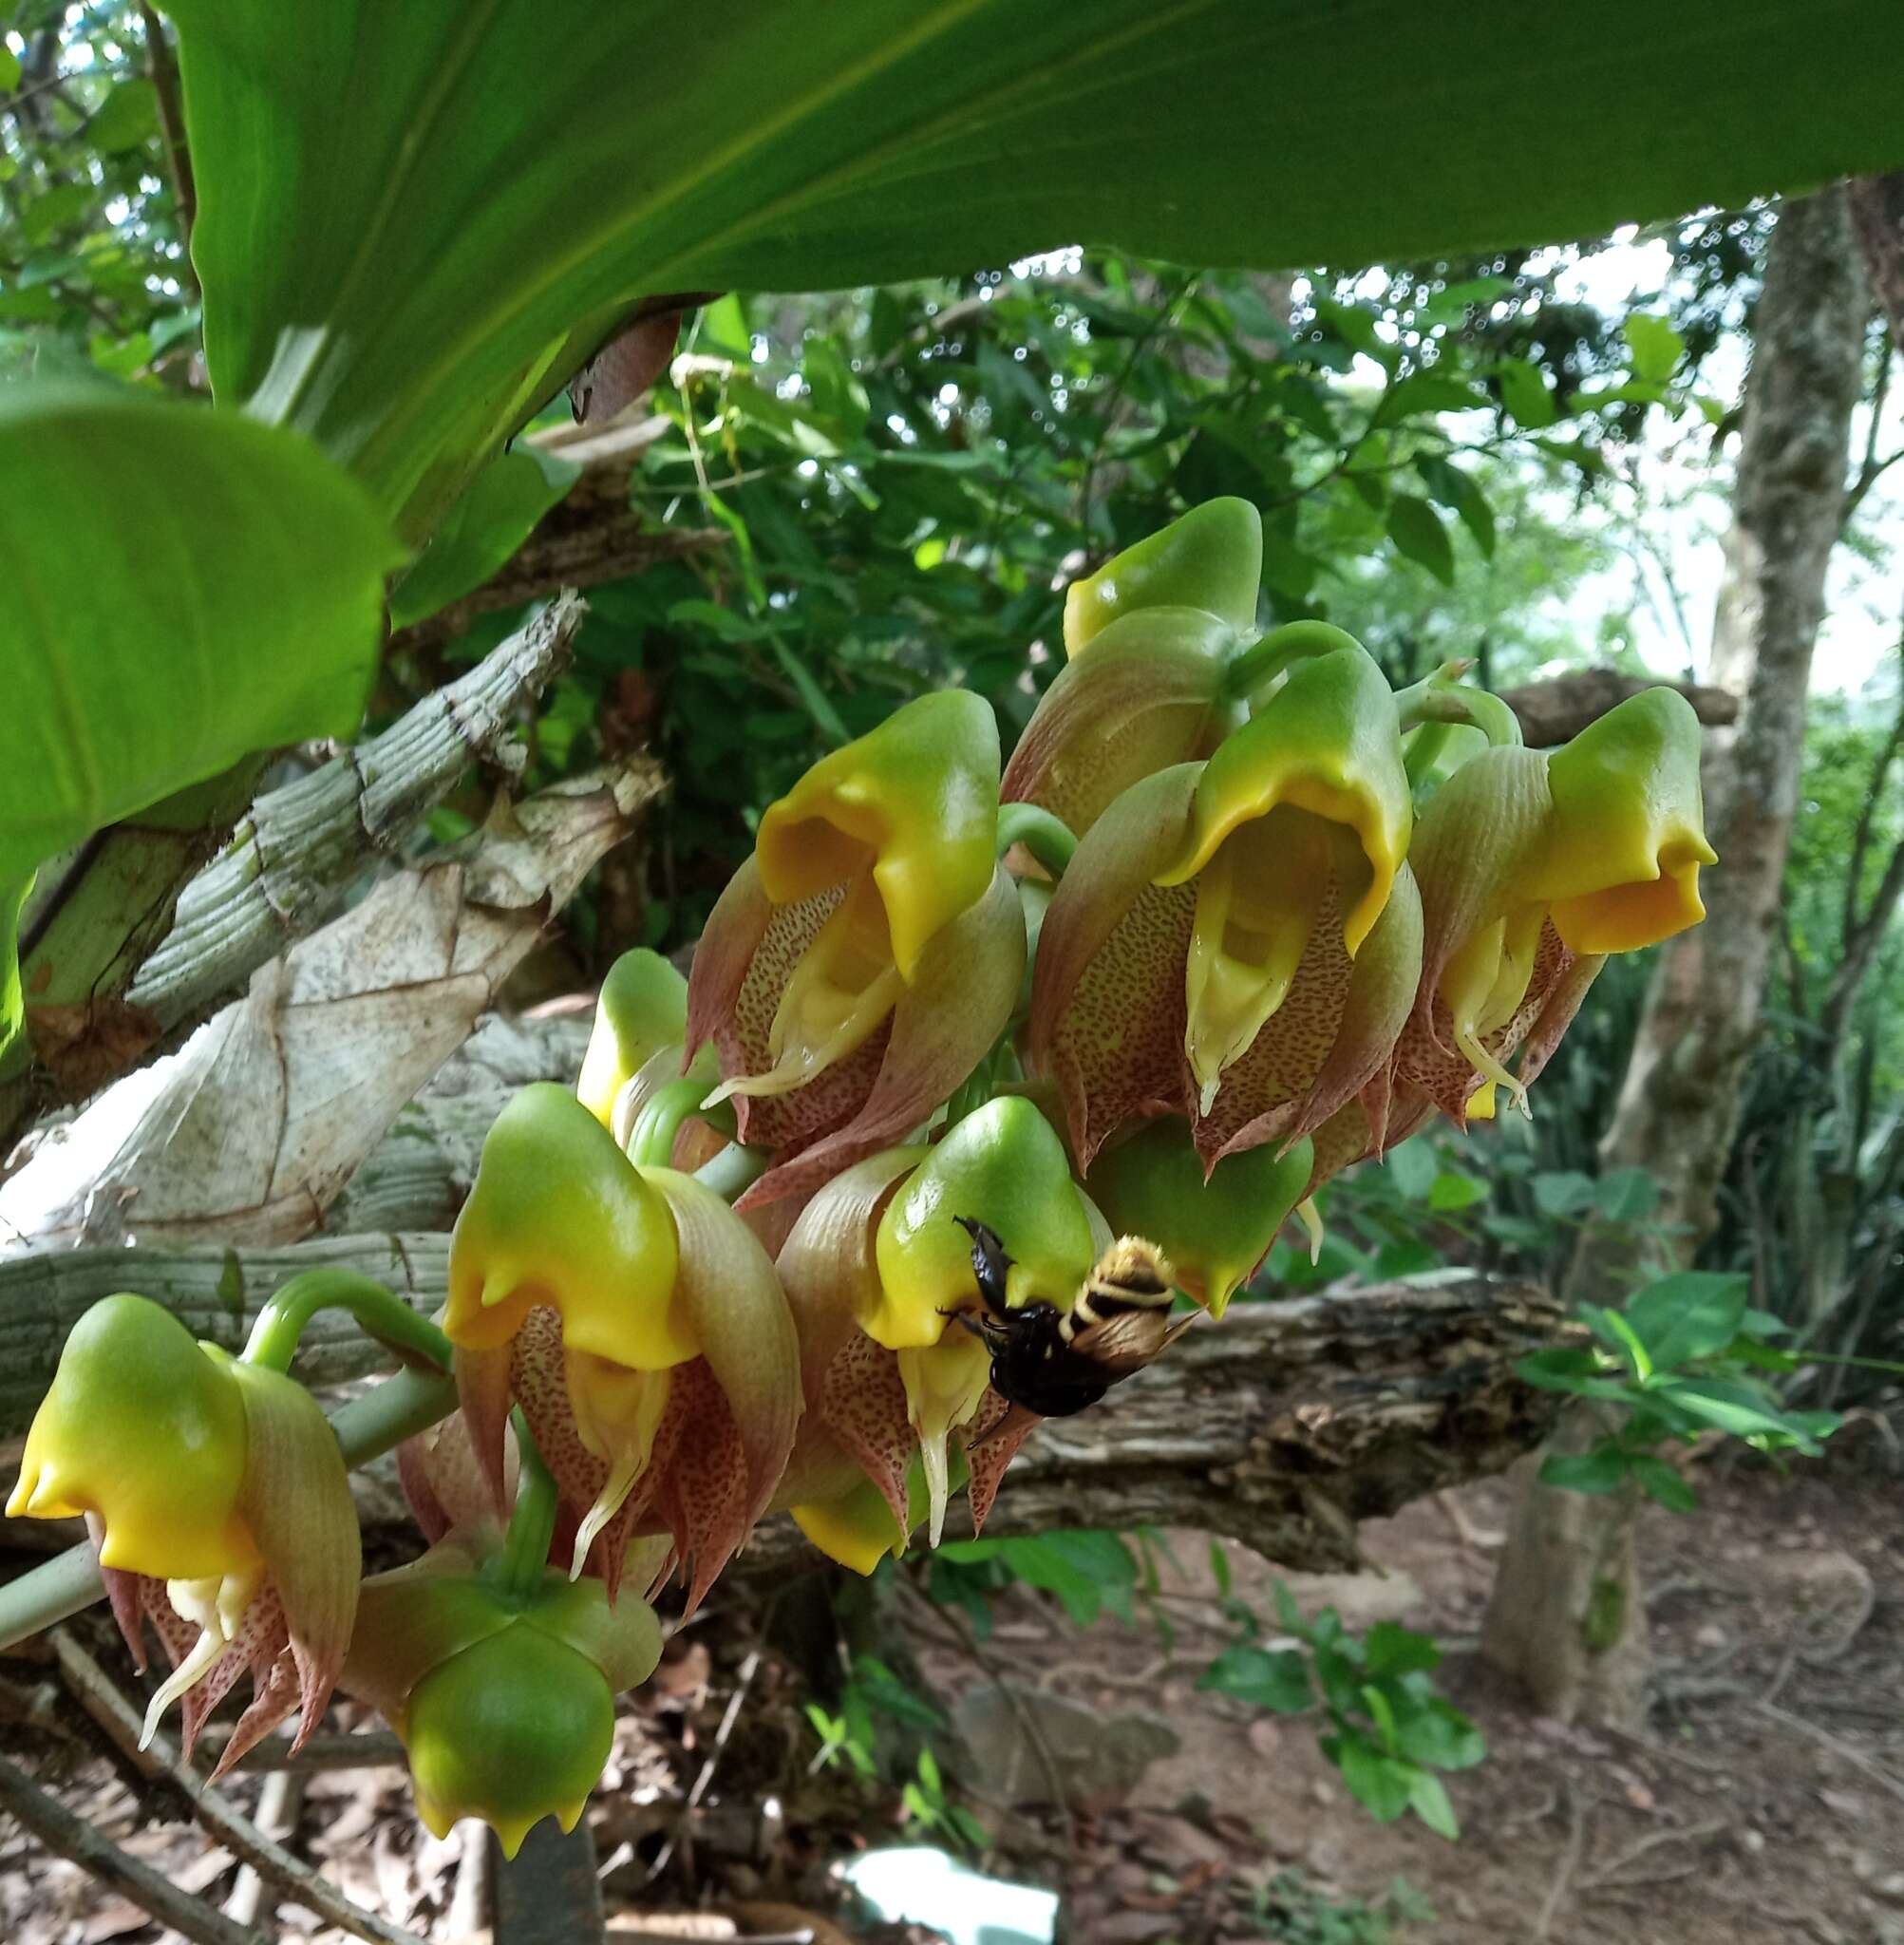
x=1303, y=811
x=1624, y=918
x=1626, y=837
x=911, y=807
x=855, y=1531
x=845, y=983
x=1328, y=801
x=560, y=1216
x=143, y=1429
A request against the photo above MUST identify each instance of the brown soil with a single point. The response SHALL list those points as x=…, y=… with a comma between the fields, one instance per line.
x=1725, y=1825
x=1764, y=1805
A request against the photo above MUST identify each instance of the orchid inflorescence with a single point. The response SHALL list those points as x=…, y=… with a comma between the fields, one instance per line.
x=1235, y=915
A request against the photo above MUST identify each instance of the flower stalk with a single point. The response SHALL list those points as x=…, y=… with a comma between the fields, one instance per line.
x=379, y=1313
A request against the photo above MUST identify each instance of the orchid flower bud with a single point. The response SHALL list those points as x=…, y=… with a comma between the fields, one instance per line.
x=504, y=1700
x=1215, y=1228
x=1150, y=635
x=1210, y=558
x=639, y=1324
x=643, y=1008
x=218, y=1499
x=1239, y=942
x=867, y=956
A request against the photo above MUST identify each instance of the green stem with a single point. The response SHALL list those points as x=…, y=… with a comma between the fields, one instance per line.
x=733, y=1171
x=1438, y=700
x=1425, y=751
x=367, y=1427
x=1049, y=839
x=665, y=1113
x=1295, y=641
x=380, y=1313
x=972, y=1093
x=1863, y=1363
x=532, y=1521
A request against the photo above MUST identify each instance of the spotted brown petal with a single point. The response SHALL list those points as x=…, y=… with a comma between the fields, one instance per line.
x=1148, y=695
x=943, y=1023
x=863, y=1401
x=1107, y=1004
x=727, y=1288
x=1002, y=1428
x=296, y=1501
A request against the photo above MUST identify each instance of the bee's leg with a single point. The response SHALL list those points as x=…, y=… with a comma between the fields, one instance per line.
x=965, y=1318
x=988, y=1265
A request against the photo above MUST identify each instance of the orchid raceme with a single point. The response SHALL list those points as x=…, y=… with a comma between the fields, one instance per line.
x=501, y=1682
x=639, y=1324
x=1532, y=869
x=877, y=1269
x=1236, y=962
x=217, y=1500
x=867, y=956
x=1152, y=637
x=1239, y=942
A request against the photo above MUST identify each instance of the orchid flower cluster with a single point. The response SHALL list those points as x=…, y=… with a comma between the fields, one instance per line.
x=1235, y=915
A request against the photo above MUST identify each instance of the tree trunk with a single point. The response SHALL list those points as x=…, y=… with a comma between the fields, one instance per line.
x=1566, y=1617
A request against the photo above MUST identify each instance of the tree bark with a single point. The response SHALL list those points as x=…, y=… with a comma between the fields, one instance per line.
x=1566, y=1617
x=1679, y=1103
x=1556, y=710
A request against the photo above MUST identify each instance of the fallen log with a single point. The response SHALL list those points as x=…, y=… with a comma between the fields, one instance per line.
x=1282, y=1428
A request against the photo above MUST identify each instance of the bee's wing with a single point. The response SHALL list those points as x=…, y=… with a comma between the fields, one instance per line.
x=1126, y=1340
x=1177, y=1329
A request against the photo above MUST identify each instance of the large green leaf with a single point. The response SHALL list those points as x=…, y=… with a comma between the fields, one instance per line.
x=417, y=216
x=182, y=586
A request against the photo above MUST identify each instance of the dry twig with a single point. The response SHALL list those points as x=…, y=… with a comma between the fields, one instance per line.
x=968, y=1645
x=279, y=1802
x=1609, y=1874
x=99, y=1697
x=730, y=1715
x=1851, y=1754
x=44, y=1816
x=1570, y=1862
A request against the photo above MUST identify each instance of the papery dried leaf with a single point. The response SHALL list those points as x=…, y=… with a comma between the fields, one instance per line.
x=253, y=1126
